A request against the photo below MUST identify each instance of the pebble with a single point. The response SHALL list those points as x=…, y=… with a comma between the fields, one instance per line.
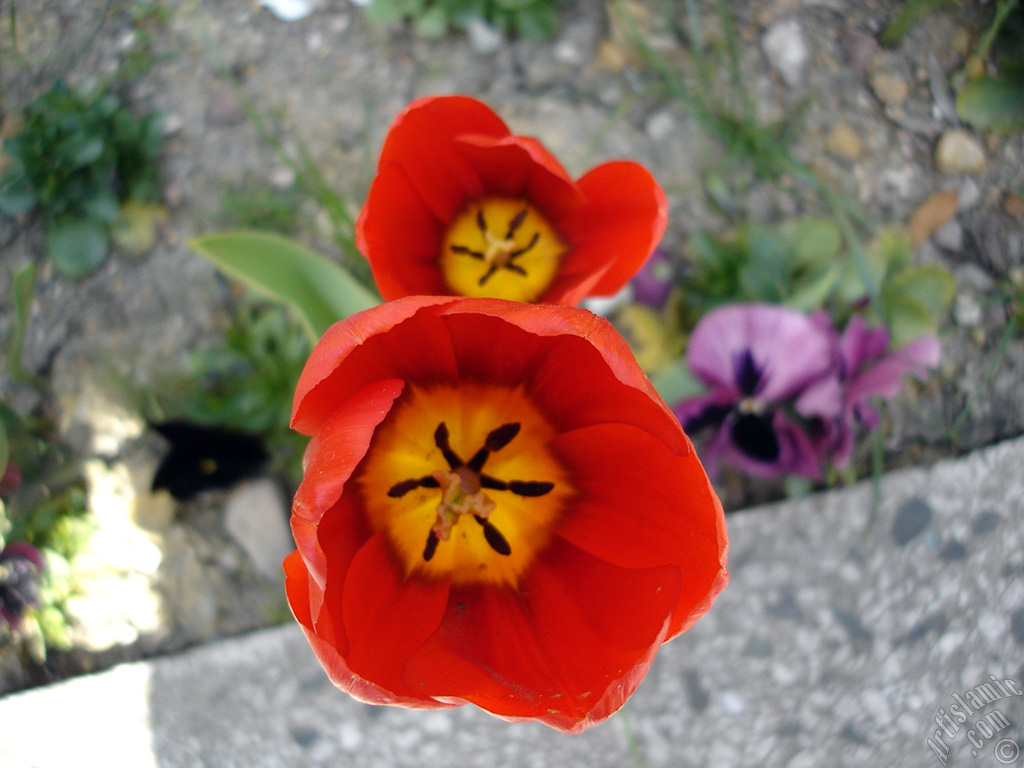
x=256, y=518
x=224, y=108
x=844, y=141
x=784, y=45
x=890, y=88
x=959, y=153
x=950, y=236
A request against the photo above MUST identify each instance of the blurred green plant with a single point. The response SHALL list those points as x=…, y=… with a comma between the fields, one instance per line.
x=802, y=264
x=995, y=102
x=260, y=206
x=247, y=383
x=149, y=19
x=81, y=160
x=532, y=19
x=44, y=506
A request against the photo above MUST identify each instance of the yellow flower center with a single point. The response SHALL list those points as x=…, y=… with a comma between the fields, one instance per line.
x=462, y=482
x=501, y=248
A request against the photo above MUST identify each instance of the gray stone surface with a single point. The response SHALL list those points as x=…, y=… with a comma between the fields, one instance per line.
x=840, y=642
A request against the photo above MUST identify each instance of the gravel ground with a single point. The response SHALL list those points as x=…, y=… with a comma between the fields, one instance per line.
x=873, y=122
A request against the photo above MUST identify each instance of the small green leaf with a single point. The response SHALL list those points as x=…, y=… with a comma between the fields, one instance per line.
x=23, y=288
x=810, y=294
x=318, y=289
x=907, y=320
x=102, y=206
x=77, y=246
x=928, y=285
x=677, y=383
x=817, y=241
x=433, y=23
x=17, y=195
x=992, y=104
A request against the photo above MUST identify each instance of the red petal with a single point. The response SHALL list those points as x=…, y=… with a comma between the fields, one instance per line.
x=568, y=649
x=638, y=505
x=421, y=141
x=621, y=224
x=400, y=236
x=331, y=458
x=519, y=166
x=329, y=656
x=376, y=355
x=388, y=616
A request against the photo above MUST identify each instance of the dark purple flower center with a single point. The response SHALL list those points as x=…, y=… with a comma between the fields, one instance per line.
x=18, y=588
x=754, y=435
x=748, y=376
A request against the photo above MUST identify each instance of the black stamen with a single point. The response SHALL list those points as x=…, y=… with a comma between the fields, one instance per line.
x=467, y=251
x=441, y=441
x=493, y=483
x=481, y=223
x=530, y=488
x=502, y=436
x=431, y=547
x=494, y=537
x=525, y=248
x=487, y=275
x=516, y=268
x=516, y=222
x=398, y=490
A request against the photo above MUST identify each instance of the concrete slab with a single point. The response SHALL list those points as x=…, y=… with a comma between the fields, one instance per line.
x=846, y=638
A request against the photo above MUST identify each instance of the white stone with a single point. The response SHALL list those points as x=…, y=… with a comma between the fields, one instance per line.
x=256, y=518
x=786, y=49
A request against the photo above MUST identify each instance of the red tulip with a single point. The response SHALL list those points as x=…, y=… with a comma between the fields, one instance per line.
x=462, y=207
x=497, y=509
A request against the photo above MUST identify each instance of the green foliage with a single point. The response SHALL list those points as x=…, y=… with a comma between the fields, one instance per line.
x=908, y=15
x=78, y=160
x=47, y=509
x=248, y=383
x=533, y=19
x=996, y=102
x=796, y=264
x=802, y=264
x=320, y=291
x=262, y=207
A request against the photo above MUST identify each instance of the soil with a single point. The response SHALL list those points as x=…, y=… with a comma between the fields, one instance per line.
x=867, y=119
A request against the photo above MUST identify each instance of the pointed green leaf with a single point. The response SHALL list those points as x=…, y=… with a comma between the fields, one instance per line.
x=817, y=241
x=907, y=320
x=318, y=289
x=810, y=294
x=930, y=286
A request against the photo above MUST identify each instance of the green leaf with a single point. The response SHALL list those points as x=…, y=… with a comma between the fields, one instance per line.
x=318, y=289
x=928, y=285
x=817, y=241
x=677, y=383
x=5, y=454
x=23, y=287
x=102, y=206
x=17, y=195
x=77, y=246
x=992, y=104
x=810, y=294
x=433, y=23
x=907, y=320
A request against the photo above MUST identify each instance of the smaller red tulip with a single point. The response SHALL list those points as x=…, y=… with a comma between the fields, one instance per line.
x=461, y=207
x=497, y=509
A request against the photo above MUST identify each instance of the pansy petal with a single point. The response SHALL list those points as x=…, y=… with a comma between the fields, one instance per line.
x=386, y=617
x=884, y=377
x=421, y=142
x=787, y=349
x=568, y=648
x=623, y=221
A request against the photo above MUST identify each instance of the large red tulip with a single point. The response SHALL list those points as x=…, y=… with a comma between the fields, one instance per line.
x=497, y=509
x=461, y=207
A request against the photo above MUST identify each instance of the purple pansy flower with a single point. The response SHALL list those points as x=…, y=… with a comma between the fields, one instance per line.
x=759, y=362
x=20, y=566
x=653, y=283
x=867, y=369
